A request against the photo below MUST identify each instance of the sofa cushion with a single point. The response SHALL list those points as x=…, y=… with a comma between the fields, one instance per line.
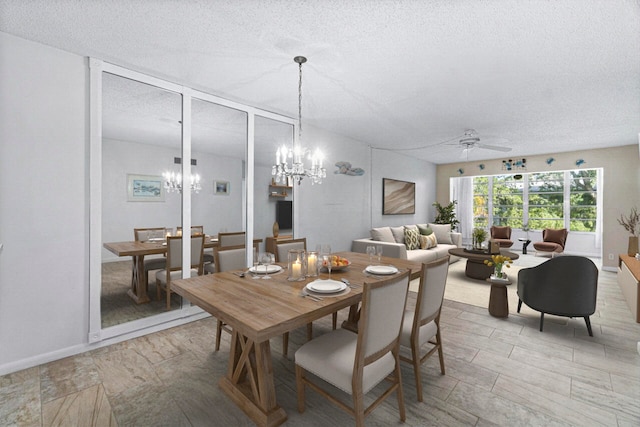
x=555, y=236
x=398, y=234
x=424, y=229
x=411, y=238
x=428, y=242
x=382, y=234
x=500, y=232
x=442, y=233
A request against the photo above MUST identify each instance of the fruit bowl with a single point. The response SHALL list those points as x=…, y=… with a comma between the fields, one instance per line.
x=337, y=264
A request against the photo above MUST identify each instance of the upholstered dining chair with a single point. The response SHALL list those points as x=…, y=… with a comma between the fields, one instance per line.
x=501, y=235
x=235, y=238
x=355, y=363
x=553, y=241
x=150, y=262
x=422, y=325
x=563, y=286
x=173, y=270
x=195, y=230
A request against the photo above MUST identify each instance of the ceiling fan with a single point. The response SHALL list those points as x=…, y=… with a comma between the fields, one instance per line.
x=470, y=140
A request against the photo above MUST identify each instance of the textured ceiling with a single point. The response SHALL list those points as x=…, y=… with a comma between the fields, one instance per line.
x=546, y=76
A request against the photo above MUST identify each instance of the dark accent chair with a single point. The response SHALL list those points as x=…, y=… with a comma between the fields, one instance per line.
x=563, y=286
x=553, y=241
x=502, y=235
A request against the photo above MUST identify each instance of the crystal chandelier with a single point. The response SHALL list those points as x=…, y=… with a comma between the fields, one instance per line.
x=173, y=182
x=290, y=161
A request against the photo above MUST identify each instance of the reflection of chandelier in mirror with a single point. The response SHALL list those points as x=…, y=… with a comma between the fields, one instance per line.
x=173, y=181
x=290, y=161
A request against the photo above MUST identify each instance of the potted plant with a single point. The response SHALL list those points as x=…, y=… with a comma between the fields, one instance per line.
x=446, y=214
x=631, y=223
x=479, y=235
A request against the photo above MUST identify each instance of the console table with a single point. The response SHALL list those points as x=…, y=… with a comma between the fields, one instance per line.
x=629, y=282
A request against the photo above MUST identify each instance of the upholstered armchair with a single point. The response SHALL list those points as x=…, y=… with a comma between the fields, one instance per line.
x=553, y=241
x=563, y=286
x=502, y=235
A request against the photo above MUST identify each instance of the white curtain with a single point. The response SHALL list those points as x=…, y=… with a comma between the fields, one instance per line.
x=461, y=189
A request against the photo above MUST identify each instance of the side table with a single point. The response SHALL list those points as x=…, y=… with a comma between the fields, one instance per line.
x=498, y=301
x=525, y=243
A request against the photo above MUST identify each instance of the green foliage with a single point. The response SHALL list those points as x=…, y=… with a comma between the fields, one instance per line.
x=446, y=214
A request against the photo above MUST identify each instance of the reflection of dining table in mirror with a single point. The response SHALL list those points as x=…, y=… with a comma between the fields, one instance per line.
x=258, y=310
x=138, y=250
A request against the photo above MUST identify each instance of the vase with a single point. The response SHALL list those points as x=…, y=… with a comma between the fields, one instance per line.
x=497, y=272
x=633, y=246
x=276, y=229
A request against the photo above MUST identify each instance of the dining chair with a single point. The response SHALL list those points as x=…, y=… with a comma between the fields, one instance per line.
x=173, y=270
x=235, y=238
x=283, y=247
x=355, y=363
x=195, y=230
x=150, y=262
x=422, y=325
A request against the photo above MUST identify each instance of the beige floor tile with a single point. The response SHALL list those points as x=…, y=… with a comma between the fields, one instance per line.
x=67, y=376
x=20, y=403
x=87, y=408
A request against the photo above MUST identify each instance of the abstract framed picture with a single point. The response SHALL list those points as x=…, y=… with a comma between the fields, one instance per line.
x=398, y=197
x=221, y=188
x=145, y=188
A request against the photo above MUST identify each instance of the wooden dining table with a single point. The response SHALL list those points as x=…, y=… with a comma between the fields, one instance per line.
x=258, y=310
x=138, y=250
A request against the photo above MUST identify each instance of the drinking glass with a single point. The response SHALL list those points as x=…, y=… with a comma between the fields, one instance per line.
x=267, y=260
x=326, y=262
x=371, y=251
x=379, y=253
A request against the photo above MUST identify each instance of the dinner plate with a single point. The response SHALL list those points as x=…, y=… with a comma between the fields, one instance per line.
x=326, y=286
x=381, y=269
x=263, y=269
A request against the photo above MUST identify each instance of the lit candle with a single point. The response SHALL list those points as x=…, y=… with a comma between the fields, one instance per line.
x=312, y=261
x=296, y=269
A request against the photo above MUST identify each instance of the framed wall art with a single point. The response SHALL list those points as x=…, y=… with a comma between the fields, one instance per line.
x=221, y=188
x=145, y=188
x=398, y=197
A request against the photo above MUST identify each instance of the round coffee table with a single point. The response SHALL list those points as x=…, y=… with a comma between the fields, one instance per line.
x=476, y=268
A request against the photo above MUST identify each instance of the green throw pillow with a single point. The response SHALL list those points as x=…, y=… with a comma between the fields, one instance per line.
x=425, y=230
x=411, y=238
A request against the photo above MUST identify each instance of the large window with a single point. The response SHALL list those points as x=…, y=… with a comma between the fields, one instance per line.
x=565, y=199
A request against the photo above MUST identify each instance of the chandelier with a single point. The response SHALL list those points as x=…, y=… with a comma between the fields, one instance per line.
x=290, y=161
x=173, y=182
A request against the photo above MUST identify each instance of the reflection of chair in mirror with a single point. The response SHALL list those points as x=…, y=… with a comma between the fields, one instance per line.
x=231, y=239
x=150, y=262
x=422, y=325
x=563, y=286
x=356, y=363
x=195, y=230
x=502, y=235
x=553, y=241
x=173, y=270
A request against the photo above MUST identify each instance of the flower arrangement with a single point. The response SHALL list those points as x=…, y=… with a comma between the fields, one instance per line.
x=499, y=261
x=631, y=223
x=479, y=235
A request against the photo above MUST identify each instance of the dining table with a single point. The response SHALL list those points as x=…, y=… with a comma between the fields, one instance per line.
x=257, y=310
x=138, y=250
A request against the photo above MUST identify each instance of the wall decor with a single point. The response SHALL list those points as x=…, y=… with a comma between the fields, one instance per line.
x=517, y=164
x=398, y=197
x=221, y=188
x=580, y=162
x=460, y=171
x=481, y=166
x=144, y=188
x=550, y=160
x=345, y=168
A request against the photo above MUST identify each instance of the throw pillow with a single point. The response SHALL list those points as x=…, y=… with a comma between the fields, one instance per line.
x=442, y=233
x=398, y=234
x=500, y=232
x=411, y=238
x=555, y=236
x=428, y=242
x=424, y=229
x=382, y=234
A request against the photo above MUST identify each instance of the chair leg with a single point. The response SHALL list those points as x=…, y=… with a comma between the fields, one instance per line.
x=158, y=289
x=168, y=289
x=218, y=334
x=358, y=406
x=309, y=331
x=334, y=320
x=300, y=388
x=519, y=304
x=588, y=322
x=399, y=391
x=541, y=321
x=415, y=358
x=285, y=344
x=440, y=352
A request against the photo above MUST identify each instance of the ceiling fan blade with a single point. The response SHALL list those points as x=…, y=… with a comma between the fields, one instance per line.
x=494, y=147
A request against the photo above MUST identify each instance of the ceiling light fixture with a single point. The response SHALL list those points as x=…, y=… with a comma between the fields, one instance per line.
x=289, y=161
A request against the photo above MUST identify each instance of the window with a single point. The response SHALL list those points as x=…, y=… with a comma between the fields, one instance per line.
x=546, y=200
x=507, y=200
x=583, y=207
x=481, y=202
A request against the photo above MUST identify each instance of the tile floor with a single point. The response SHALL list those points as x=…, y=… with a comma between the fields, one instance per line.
x=499, y=372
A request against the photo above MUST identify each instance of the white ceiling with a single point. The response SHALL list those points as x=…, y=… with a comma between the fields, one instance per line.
x=547, y=76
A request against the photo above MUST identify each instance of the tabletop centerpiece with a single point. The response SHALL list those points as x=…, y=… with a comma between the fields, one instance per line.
x=498, y=262
x=479, y=235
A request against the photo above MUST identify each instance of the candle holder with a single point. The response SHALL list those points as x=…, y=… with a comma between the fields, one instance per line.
x=297, y=265
x=312, y=264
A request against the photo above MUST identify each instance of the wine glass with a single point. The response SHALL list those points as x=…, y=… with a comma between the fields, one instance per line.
x=267, y=259
x=326, y=262
x=371, y=251
x=379, y=253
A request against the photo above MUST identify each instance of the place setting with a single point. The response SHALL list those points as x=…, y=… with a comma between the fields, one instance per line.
x=378, y=271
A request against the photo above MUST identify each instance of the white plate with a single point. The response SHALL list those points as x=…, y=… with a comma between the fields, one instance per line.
x=381, y=269
x=326, y=286
x=263, y=269
x=156, y=239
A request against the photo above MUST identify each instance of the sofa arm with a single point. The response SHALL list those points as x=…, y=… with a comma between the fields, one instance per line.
x=393, y=250
x=456, y=239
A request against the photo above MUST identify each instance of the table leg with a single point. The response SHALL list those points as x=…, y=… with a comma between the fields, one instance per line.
x=498, y=301
x=249, y=381
x=524, y=246
x=138, y=291
x=352, y=321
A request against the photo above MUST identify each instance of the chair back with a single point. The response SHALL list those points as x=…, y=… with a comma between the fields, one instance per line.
x=230, y=258
x=144, y=234
x=381, y=317
x=555, y=236
x=282, y=248
x=565, y=286
x=499, y=232
x=195, y=230
x=174, y=252
x=236, y=238
x=433, y=278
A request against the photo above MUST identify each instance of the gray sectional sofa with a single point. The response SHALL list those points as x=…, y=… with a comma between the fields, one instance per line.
x=395, y=243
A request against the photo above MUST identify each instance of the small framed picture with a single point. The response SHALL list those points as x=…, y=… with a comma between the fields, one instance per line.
x=221, y=188
x=145, y=188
